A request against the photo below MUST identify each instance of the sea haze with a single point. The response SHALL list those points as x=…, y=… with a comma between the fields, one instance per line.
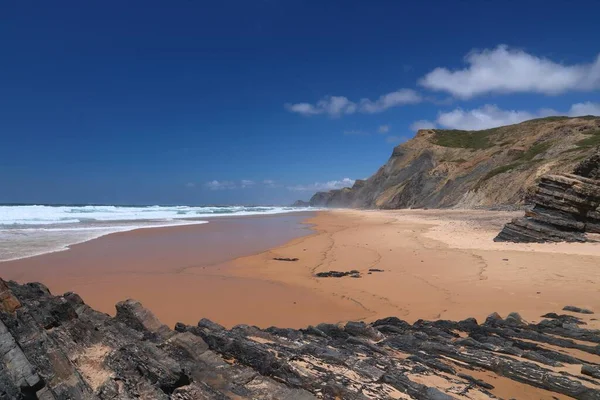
x=29, y=230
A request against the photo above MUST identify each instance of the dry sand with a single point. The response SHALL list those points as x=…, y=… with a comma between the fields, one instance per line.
x=437, y=264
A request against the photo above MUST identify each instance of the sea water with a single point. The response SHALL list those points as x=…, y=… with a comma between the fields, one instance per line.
x=28, y=230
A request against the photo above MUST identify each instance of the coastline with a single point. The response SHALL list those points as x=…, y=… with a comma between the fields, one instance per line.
x=149, y=265
x=437, y=264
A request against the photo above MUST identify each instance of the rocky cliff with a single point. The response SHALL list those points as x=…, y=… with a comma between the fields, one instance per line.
x=452, y=168
x=56, y=347
x=566, y=208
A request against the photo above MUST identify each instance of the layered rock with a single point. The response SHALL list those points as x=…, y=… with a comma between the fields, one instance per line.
x=56, y=347
x=566, y=207
x=450, y=168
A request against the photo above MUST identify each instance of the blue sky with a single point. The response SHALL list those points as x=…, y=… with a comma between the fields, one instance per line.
x=198, y=102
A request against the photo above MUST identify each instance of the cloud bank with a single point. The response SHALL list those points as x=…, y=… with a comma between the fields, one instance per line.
x=490, y=116
x=507, y=70
x=336, y=106
x=322, y=186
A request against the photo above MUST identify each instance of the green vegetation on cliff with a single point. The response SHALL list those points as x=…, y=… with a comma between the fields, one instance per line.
x=458, y=168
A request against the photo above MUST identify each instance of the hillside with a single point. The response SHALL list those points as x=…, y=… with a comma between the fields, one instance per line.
x=453, y=168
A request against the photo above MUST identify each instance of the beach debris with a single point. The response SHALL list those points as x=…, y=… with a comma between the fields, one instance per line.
x=57, y=347
x=338, y=274
x=577, y=310
x=285, y=259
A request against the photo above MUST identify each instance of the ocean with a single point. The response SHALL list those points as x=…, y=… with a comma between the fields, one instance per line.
x=29, y=230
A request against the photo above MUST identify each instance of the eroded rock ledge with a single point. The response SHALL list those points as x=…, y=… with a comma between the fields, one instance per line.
x=56, y=347
x=566, y=208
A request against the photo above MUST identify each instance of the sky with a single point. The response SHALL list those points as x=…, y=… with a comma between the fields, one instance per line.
x=266, y=101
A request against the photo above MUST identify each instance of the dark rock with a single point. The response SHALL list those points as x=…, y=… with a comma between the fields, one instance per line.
x=564, y=318
x=375, y=270
x=591, y=370
x=133, y=314
x=285, y=259
x=337, y=274
x=577, y=310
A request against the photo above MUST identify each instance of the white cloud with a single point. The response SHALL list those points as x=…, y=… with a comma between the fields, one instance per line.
x=581, y=109
x=190, y=185
x=220, y=185
x=321, y=186
x=485, y=117
x=490, y=116
x=389, y=100
x=336, y=106
x=246, y=183
x=506, y=70
x=384, y=129
x=422, y=124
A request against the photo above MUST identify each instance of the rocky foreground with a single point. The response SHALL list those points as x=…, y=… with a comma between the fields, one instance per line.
x=57, y=347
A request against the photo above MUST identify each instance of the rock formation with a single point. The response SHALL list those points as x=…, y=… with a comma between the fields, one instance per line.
x=451, y=168
x=56, y=347
x=566, y=208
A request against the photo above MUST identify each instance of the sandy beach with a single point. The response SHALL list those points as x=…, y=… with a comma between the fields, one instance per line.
x=437, y=264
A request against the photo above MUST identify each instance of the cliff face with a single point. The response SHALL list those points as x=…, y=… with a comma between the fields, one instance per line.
x=56, y=347
x=451, y=168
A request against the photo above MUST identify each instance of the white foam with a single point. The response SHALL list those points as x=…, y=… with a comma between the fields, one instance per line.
x=31, y=230
x=43, y=215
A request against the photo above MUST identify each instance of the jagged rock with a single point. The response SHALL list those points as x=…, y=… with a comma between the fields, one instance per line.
x=133, y=314
x=56, y=347
x=566, y=208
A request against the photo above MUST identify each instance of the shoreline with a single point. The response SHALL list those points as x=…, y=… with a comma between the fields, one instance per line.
x=149, y=265
x=18, y=239
x=437, y=264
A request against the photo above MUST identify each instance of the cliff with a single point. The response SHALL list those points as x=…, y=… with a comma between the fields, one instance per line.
x=57, y=347
x=467, y=169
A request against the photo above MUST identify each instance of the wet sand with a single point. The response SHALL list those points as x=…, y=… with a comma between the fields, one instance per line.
x=437, y=264
x=150, y=265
